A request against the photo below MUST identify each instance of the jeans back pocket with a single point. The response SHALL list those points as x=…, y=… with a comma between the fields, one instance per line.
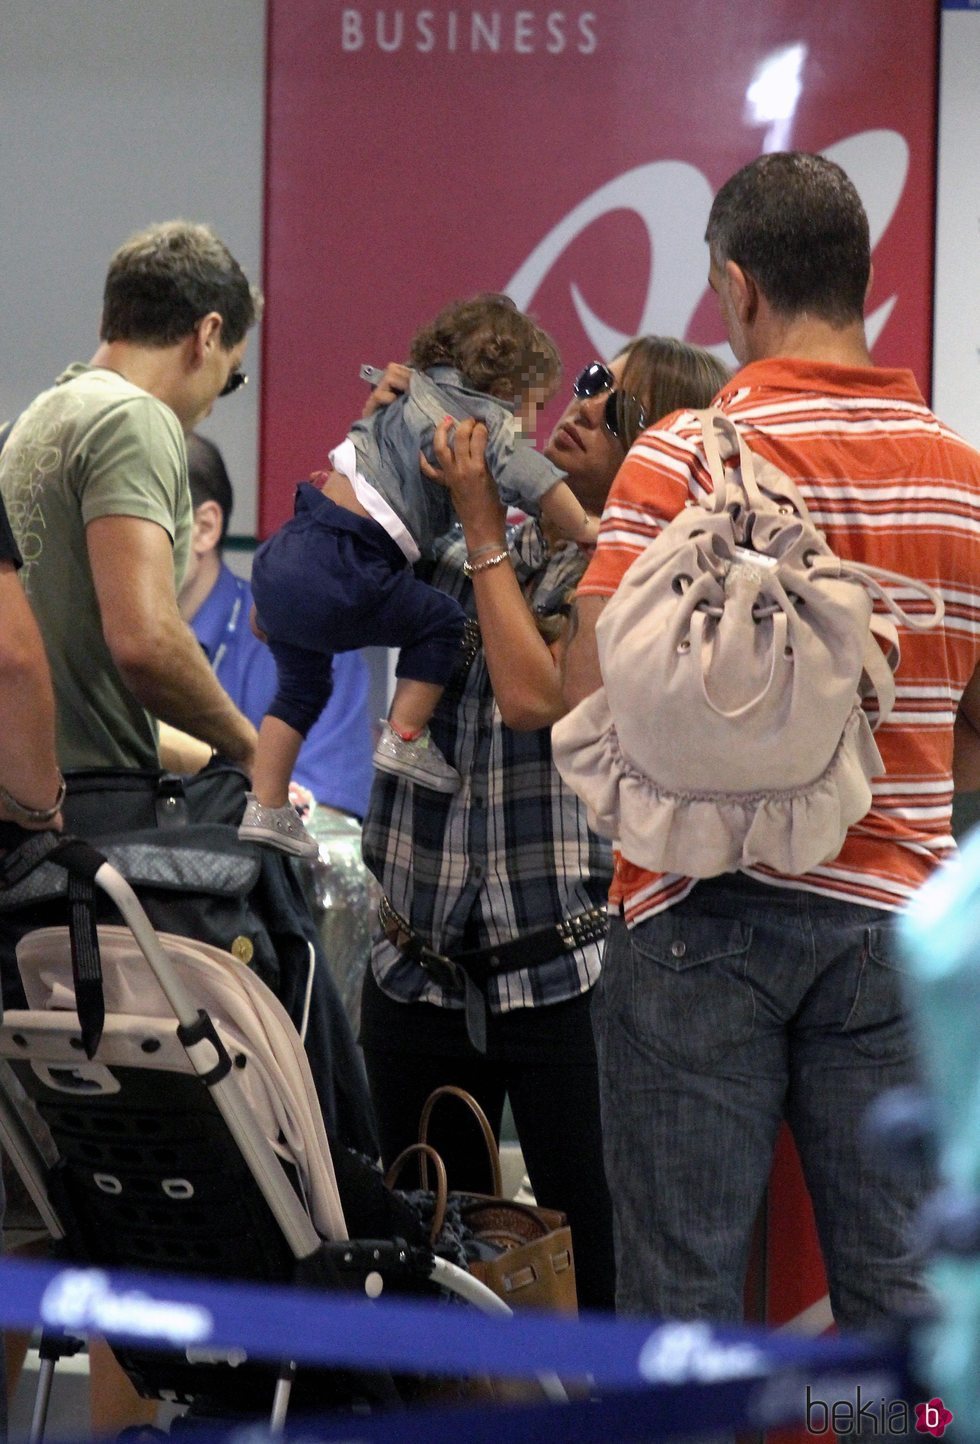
x=691, y=1000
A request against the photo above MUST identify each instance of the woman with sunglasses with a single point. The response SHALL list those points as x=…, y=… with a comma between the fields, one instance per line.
x=502, y=883
x=610, y=406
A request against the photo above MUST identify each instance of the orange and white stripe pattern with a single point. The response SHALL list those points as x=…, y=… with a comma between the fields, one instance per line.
x=888, y=484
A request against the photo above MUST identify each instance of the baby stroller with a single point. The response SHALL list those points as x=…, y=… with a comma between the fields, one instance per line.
x=180, y=1130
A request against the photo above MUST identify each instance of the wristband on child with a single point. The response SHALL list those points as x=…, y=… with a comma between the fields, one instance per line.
x=470, y=569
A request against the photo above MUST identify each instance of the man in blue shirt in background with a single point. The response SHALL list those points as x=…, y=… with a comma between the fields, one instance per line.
x=335, y=763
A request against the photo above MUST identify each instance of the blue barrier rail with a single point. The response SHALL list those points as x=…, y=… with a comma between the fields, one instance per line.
x=655, y=1379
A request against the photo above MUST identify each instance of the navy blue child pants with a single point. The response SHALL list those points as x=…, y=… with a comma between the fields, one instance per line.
x=332, y=581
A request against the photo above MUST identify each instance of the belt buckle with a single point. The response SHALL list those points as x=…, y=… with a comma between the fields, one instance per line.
x=400, y=935
x=441, y=968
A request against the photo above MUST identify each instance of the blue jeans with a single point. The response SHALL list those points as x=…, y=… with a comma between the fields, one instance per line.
x=742, y=1005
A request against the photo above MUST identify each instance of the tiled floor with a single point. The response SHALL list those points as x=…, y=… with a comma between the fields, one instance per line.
x=68, y=1417
x=68, y=1412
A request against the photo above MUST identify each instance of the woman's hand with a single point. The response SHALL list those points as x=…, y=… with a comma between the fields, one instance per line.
x=462, y=469
x=392, y=384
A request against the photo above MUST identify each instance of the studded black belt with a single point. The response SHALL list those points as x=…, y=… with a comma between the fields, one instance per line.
x=472, y=968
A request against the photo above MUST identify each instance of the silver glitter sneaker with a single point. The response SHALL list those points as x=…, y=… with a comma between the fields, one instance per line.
x=278, y=827
x=419, y=760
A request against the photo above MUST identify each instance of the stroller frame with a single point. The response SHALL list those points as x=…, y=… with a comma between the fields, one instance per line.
x=77, y=1194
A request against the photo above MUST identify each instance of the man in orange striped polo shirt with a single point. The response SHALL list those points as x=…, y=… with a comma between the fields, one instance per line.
x=728, y=1004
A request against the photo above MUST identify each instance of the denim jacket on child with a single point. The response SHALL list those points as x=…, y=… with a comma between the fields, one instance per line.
x=388, y=445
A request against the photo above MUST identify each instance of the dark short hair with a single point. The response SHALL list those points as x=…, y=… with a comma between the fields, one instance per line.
x=495, y=346
x=661, y=375
x=165, y=279
x=208, y=477
x=796, y=224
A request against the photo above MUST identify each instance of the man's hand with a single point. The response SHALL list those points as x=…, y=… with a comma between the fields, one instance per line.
x=181, y=753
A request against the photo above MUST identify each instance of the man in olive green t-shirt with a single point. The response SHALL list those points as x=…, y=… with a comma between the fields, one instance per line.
x=94, y=477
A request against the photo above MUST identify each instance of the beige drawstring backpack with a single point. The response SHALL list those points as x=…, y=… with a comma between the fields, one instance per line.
x=735, y=657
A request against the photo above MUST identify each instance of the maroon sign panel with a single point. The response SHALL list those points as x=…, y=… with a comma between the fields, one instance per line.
x=419, y=153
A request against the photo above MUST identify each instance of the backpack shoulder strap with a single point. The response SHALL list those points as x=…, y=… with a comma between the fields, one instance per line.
x=761, y=493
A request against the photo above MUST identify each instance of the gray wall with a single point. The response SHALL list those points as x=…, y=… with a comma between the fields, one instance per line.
x=114, y=114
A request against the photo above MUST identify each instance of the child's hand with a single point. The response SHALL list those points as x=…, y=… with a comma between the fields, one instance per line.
x=389, y=388
x=253, y=622
x=589, y=534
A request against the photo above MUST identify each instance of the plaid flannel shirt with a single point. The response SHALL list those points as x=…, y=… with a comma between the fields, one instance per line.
x=508, y=854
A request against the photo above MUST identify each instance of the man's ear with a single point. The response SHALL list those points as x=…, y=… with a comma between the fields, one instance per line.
x=207, y=334
x=208, y=521
x=743, y=291
x=871, y=281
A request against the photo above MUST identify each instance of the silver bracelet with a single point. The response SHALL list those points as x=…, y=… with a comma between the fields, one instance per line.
x=20, y=813
x=470, y=570
x=471, y=556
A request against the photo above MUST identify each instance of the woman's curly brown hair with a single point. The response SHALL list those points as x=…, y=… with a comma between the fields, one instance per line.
x=497, y=348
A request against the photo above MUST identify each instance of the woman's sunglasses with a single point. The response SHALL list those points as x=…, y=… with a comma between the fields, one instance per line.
x=592, y=382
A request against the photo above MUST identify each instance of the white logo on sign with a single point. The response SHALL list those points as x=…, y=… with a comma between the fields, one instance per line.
x=672, y=199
